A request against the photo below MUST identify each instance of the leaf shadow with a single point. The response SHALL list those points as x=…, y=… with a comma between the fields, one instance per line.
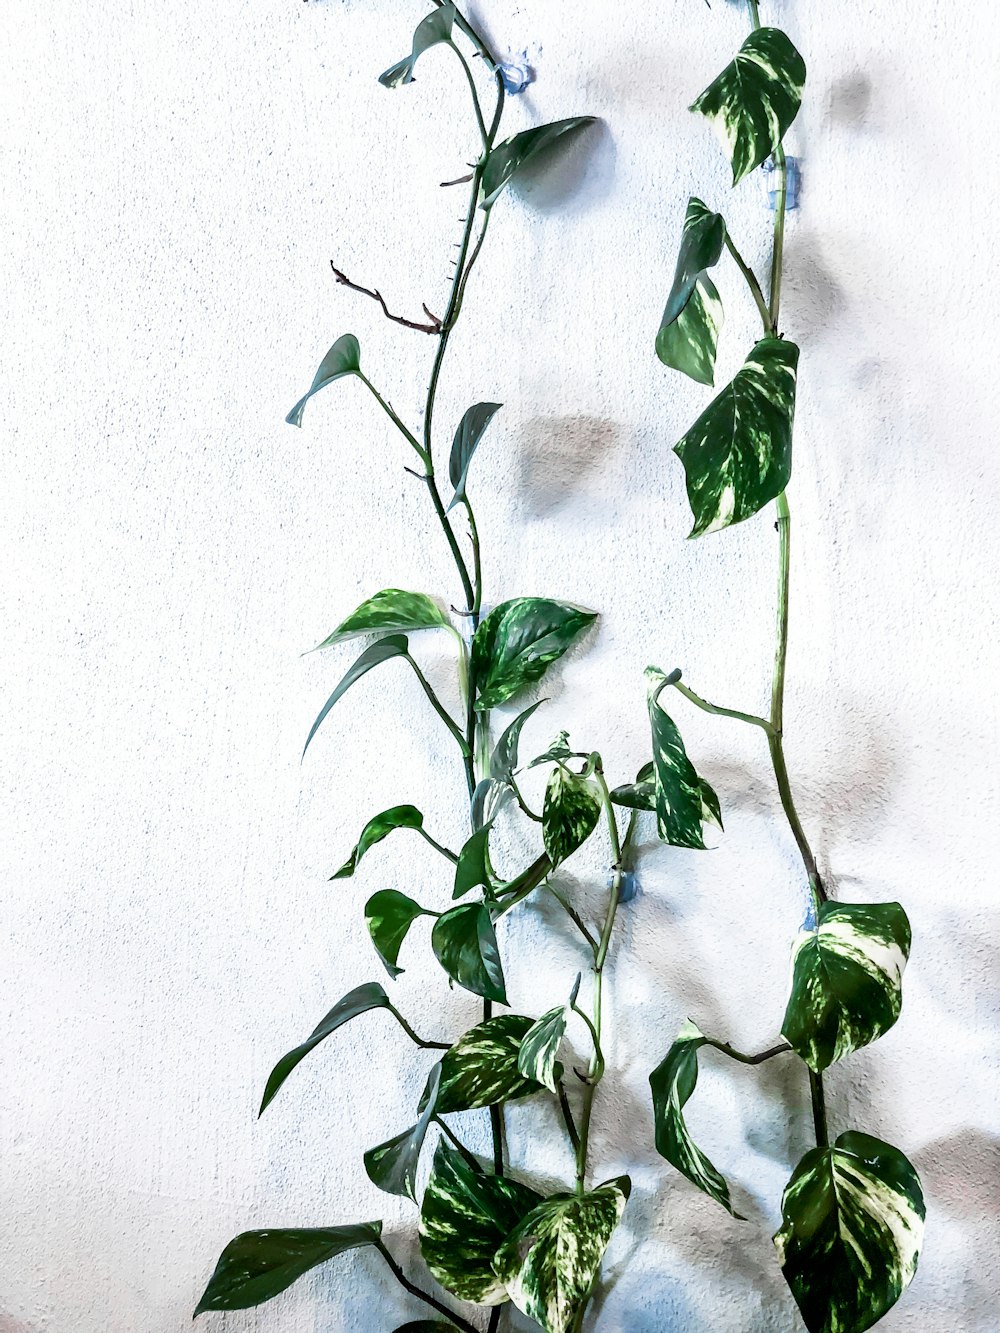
x=578, y=171
x=557, y=454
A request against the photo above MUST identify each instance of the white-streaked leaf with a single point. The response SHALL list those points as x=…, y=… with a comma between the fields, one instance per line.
x=390, y=611
x=692, y=319
x=540, y=1045
x=392, y=1166
x=465, y=944
x=570, y=813
x=482, y=1069
x=518, y=641
x=505, y=753
x=343, y=358
x=432, y=30
x=682, y=799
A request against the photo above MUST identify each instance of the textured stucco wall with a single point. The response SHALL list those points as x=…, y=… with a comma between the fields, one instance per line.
x=175, y=178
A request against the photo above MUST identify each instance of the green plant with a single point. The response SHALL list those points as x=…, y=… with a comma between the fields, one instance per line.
x=485, y=1234
x=853, y=1210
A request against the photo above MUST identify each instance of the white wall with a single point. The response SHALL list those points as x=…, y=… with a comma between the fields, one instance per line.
x=175, y=179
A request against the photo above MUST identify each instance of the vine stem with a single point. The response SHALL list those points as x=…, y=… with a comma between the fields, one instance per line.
x=422, y=1295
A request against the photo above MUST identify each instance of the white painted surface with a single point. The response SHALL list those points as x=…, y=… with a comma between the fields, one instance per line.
x=175, y=179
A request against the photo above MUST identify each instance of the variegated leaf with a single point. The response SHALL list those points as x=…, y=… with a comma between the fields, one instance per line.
x=549, y=1262
x=682, y=799
x=755, y=99
x=540, y=1044
x=504, y=759
x=672, y=1083
x=481, y=1069
x=852, y=1227
x=465, y=1217
x=465, y=944
x=738, y=454
x=389, y=611
x=343, y=358
x=558, y=750
x=846, y=980
x=689, y=330
x=570, y=813
x=377, y=828
x=472, y=870
x=389, y=915
x=518, y=641
x=432, y=30
x=392, y=1166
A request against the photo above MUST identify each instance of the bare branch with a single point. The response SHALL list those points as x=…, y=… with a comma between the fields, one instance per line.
x=376, y=295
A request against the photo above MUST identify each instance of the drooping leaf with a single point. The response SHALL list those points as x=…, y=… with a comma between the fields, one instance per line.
x=678, y=791
x=435, y=28
x=738, y=455
x=557, y=751
x=465, y=944
x=689, y=330
x=488, y=800
x=524, y=884
x=570, y=813
x=427, y=1326
x=638, y=795
x=507, y=158
x=505, y=753
x=260, y=1264
x=343, y=358
x=393, y=645
x=852, y=1227
x=377, y=828
x=481, y=1069
x=472, y=870
x=518, y=641
x=549, y=1261
x=711, y=811
x=465, y=1217
x=467, y=437
x=389, y=611
x=672, y=1083
x=846, y=980
x=755, y=99
x=392, y=1166
x=358, y=1001
x=389, y=915
x=540, y=1044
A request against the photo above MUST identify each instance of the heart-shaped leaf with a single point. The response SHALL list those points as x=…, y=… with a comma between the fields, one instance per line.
x=682, y=799
x=393, y=645
x=465, y=1217
x=467, y=437
x=481, y=1069
x=852, y=1226
x=390, y=611
x=389, y=915
x=377, y=828
x=846, y=980
x=518, y=641
x=343, y=358
x=465, y=944
x=549, y=1261
x=540, y=1045
x=570, y=813
x=358, y=1001
x=672, y=1083
x=392, y=1166
x=472, y=870
x=505, y=753
x=508, y=158
x=432, y=30
x=755, y=99
x=689, y=330
x=259, y=1264
x=738, y=454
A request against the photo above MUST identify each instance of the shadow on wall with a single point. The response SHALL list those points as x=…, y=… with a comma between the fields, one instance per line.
x=11, y=1325
x=557, y=455
x=576, y=172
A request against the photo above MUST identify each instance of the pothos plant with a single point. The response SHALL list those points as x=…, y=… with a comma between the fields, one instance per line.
x=853, y=1210
x=486, y=1234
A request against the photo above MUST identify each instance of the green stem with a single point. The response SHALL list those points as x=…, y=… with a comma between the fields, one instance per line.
x=426, y=1045
x=752, y=283
x=422, y=1295
x=438, y=707
x=438, y=847
x=779, y=233
x=575, y=917
x=706, y=707
x=475, y=96
x=781, y=1049
x=404, y=430
x=450, y=1134
x=819, y=1109
x=567, y=1115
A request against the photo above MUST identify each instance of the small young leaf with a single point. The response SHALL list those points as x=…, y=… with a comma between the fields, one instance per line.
x=358, y=1001
x=569, y=814
x=260, y=1264
x=518, y=641
x=472, y=870
x=846, y=980
x=343, y=358
x=504, y=759
x=549, y=1261
x=755, y=99
x=678, y=792
x=377, y=828
x=738, y=455
x=392, y=1166
x=852, y=1226
x=389, y=915
x=638, y=795
x=394, y=645
x=465, y=1217
x=467, y=437
x=465, y=945
x=689, y=330
x=390, y=611
x=435, y=28
x=507, y=158
x=557, y=751
x=481, y=1069
x=540, y=1045
x=672, y=1082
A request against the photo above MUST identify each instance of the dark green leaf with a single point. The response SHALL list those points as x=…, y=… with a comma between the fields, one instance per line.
x=689, y=330
x=394, y=645
x=392, y=1166
x=507, y=158
x=549, y=1261
x=343, y=358
x=679, y=797
x=504, y=760
x=472, y=870
x=481, y=1069
x=435, y=28
x=755, y=99
x=518, y=641
x=672, y=1083
x=738, y=454
x=465, y=1217
x=358, y=1001
x=467, y=437
x=852, y=1226
x=259, y=1264
x=390, y=610
x=638, y=795
x=569, y=814
x=389, y=915
x=524, y=884
x=847, y=978
x=465, y=945
x=377, y=828
x=427, y=1326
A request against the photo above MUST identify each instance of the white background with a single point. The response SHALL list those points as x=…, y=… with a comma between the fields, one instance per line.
x=175, y=179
